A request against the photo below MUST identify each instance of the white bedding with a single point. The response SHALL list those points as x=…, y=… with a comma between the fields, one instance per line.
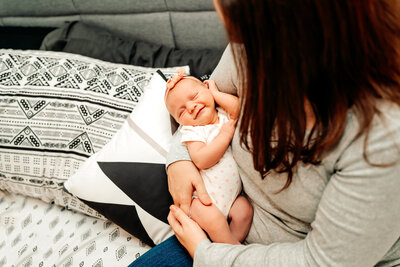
x=36, y=233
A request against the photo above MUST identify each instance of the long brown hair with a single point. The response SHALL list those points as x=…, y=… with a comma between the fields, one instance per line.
x=335, y=54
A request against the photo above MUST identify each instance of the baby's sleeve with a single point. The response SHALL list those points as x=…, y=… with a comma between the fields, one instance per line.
x=191, y=133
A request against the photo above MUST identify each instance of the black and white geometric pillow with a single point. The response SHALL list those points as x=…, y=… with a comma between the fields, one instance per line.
x=56, y=110
x=126, y=181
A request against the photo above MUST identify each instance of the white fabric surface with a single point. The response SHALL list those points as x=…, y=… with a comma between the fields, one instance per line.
x=36, y=233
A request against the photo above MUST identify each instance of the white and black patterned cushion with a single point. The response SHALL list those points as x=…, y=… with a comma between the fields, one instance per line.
x=56, y=110
x=126, y=180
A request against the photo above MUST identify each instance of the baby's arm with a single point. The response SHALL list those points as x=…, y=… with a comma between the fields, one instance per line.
x=204, y=155
x=228, y=102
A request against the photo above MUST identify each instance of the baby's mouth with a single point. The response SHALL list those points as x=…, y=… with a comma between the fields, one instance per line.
x=198, y=112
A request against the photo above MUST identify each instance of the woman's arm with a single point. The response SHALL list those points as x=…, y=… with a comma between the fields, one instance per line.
x=357, y=221
x=183, y=176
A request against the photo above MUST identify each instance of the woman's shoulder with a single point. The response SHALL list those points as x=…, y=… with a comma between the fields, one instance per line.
x=386, y=120
x=380, y=143
x=225, y=74
x=389, y=110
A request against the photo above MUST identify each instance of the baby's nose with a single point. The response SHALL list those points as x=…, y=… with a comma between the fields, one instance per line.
x=191, y=106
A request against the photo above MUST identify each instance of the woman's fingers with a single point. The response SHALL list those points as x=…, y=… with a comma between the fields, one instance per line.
x=175, y=224
x=182, y=201
x=180, y=216
x=202, y=192
x=186, y=230
x=184, y=204
x=180, y=182
x=183, y=179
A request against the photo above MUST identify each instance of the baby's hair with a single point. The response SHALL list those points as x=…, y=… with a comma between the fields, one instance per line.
x=171, y=83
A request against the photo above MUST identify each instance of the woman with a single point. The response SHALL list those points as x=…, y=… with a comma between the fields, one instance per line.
x=318, y=140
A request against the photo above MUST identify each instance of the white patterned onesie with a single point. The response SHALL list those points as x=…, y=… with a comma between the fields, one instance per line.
x=222, y=180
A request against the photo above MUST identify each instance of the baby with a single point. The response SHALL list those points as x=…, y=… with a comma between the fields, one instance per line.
x=207, y=132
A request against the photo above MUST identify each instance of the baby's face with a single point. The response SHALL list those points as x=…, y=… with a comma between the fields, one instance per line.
x=191, y=103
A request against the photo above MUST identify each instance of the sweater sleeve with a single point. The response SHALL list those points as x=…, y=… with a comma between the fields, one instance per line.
x=357, y=220
x=177, y=151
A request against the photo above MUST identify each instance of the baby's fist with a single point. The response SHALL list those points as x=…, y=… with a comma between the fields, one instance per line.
x=211, y=85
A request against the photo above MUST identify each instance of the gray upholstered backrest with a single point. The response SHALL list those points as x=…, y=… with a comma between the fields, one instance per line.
x=175, y=23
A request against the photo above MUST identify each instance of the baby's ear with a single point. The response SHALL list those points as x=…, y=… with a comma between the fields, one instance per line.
x=207, y=84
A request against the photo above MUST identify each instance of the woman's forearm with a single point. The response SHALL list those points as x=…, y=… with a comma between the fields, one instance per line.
x=177, y=151
x=183, y=176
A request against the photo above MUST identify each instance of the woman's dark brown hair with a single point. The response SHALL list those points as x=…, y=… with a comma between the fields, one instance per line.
x=336, y=54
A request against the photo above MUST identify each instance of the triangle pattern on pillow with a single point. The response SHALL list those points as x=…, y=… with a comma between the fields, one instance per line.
x=150, y=189
x=124, y=216
x=112, y=188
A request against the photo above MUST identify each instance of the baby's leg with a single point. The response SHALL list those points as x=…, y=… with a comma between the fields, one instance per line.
x=211, y=220
x=241, y=215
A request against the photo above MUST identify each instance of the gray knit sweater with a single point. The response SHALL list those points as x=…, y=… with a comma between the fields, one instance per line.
x=343, y=212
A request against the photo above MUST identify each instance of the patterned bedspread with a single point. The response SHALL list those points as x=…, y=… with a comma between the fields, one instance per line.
x=36, y=233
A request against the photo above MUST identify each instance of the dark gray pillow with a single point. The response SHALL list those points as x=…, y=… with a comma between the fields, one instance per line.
x=23, y=37
x=95, y=42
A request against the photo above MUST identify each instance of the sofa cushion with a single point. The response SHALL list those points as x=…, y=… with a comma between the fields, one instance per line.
x=97, y=42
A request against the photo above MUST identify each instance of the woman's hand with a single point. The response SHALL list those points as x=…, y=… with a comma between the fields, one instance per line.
x=183, y=179
x=186, y=230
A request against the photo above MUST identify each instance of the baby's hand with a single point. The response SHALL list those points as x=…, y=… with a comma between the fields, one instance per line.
x=229, y=128
x=211, y=85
